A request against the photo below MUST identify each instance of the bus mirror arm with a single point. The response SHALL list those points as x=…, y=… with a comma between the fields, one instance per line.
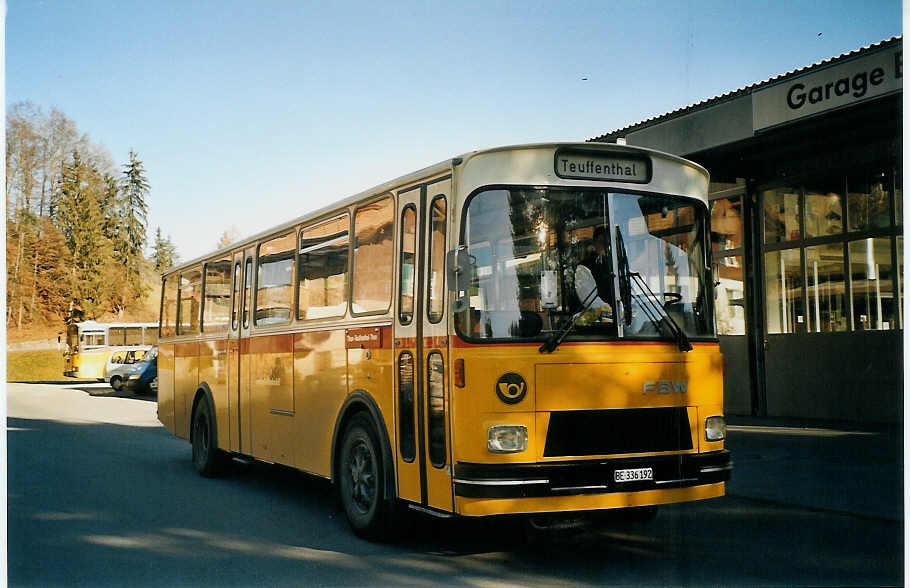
x=458, y=266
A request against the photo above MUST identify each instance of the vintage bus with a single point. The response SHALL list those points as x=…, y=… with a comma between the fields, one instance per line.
x=427, y=343
x=90, y=344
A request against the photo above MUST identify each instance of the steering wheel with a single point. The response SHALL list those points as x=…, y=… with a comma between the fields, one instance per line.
x=671, y=298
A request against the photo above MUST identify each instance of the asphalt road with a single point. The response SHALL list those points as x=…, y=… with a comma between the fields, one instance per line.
x=100, y=495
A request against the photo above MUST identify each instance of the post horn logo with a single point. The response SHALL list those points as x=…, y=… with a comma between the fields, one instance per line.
x=511, y=388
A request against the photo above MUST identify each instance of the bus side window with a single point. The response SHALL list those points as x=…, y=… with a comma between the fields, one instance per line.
x=406, y=281
x=274, y=284
x=437, y=257
x=150, y=335
x=216, y=296
x=235, y=300
x=190, y=301
x=168, y=324
x=132, y=335
x=248, y=282
x=322, y=268
x=374, y=253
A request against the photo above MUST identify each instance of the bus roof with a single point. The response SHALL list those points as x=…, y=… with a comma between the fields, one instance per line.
x=442, y=166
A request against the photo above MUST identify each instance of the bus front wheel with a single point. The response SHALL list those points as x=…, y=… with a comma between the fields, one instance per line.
x=117, y=383
x=361, y=480
x=208, y=459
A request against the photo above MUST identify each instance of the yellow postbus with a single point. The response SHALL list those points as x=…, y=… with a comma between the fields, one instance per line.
x=90, y=344
x=436, y=342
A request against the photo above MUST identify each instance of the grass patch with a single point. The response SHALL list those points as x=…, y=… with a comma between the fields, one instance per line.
x=34, y=366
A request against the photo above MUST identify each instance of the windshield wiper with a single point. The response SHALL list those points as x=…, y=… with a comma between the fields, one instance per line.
x=550, y=345
x=655, y=312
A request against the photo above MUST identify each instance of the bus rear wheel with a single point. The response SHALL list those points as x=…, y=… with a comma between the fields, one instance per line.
x=207, y=458
x=361, y=481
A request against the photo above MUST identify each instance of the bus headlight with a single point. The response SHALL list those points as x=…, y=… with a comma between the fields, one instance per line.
x=134, y=376
x=715, y=428
x=507, y=438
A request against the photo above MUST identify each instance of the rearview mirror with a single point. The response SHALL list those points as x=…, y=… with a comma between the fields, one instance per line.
x=458, y=276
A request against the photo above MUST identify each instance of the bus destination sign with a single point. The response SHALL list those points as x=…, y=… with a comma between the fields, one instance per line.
x=602, y=167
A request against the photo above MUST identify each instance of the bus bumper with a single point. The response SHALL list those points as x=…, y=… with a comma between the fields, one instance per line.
x=488, y=489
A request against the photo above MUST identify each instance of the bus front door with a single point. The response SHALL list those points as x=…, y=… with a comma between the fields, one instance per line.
x=422, y=408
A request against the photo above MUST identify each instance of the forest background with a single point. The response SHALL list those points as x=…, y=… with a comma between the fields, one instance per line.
x=77, y=242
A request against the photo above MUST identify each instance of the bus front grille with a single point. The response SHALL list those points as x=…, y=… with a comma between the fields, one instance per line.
x=616, y=432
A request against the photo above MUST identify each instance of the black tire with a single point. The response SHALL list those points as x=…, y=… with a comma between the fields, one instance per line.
x=361, y=481
x=208, y=459
x=117, y=383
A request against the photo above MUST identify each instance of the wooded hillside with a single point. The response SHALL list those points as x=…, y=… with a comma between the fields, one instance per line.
x=76, y=226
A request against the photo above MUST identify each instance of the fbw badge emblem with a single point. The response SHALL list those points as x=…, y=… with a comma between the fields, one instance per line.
x=511, y=388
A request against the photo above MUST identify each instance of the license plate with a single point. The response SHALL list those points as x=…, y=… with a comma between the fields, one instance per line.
x=636, y=475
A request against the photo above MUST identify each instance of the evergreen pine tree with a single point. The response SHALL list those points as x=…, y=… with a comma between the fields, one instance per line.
x=135, y=189
x=80, y=218
x=164, y=253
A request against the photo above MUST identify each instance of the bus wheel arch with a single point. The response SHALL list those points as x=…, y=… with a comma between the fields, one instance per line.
x=209, y=460
x=361, y=443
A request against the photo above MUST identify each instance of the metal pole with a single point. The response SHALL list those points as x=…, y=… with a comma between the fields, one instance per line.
x=818, y=324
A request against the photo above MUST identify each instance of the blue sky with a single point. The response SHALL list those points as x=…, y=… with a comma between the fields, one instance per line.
x=248, y=114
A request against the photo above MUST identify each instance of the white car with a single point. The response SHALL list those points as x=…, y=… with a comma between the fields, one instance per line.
x=120, y=364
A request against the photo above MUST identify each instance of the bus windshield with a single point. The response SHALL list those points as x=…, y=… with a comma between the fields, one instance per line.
x=543, y=258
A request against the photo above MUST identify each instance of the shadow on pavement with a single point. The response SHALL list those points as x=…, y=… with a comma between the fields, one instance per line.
x=100, y=504
x=97, y=389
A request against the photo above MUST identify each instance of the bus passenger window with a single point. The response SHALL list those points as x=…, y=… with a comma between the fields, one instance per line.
x=437, y=257
x=274, y=284
x=374, y=249
x=168, y=324
x=116, y=336
x=322, y=270
x=132, y=336
x=190, y=302
x=217, y=296
x=406, y=280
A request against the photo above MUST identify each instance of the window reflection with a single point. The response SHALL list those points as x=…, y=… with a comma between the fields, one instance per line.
x=532, y=252
x=374, y=252
x=868, y=205
x=437, y=256
x=729, y=295
x=726, y=223
x=216, y=309
x=408, y=258
x=781, y=215
x=871, y=284
x=274, y=290
x=900, y=282
x=784, y=292
x=190, y=299
x=824, y=214
x=828, y=310
x=322, y=266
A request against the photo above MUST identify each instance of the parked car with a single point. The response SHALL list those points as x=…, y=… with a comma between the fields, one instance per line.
x=120, y=364
x=139, y=381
